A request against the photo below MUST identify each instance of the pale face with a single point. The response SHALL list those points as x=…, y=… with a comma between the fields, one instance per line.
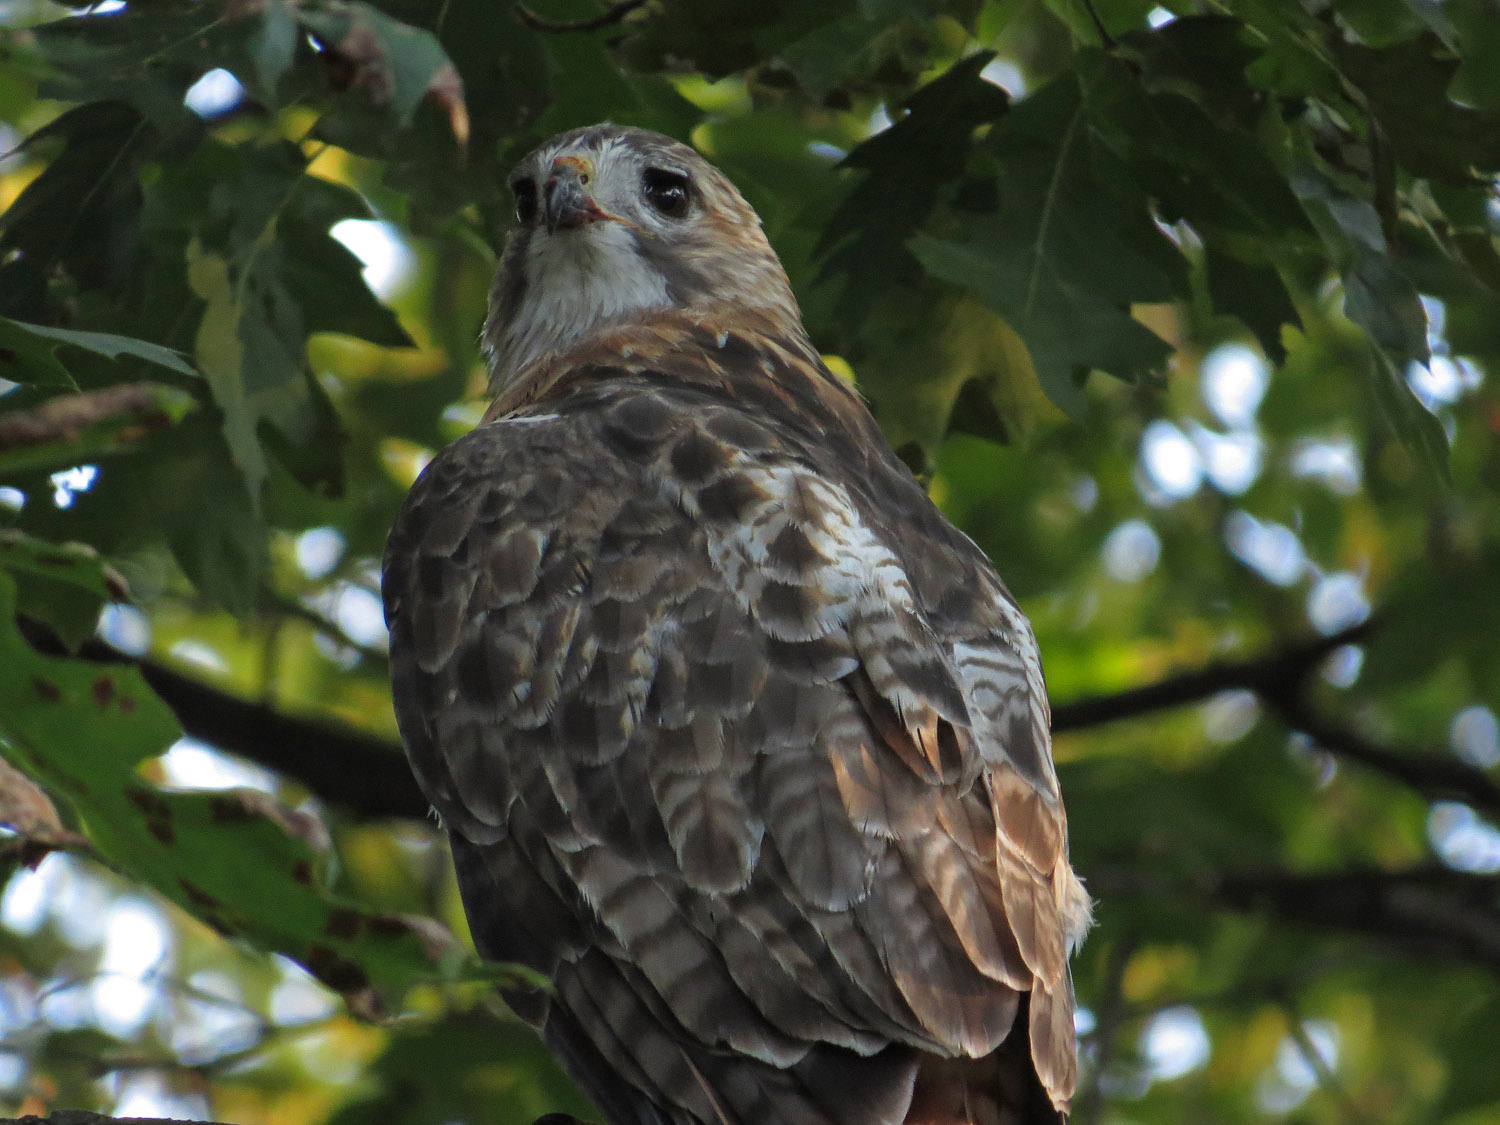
x=613, y=224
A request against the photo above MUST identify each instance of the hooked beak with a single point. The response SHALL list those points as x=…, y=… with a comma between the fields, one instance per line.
x=565, y=201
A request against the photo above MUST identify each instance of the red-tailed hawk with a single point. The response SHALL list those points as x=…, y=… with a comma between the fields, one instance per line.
x=737, y=740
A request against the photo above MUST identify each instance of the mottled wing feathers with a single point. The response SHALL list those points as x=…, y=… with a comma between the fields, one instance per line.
x=738, y=740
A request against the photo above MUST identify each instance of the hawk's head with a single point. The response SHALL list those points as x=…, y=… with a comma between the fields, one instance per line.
x=613, y=223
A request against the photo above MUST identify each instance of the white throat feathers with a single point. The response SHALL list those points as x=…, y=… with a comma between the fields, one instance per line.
x=575, y=285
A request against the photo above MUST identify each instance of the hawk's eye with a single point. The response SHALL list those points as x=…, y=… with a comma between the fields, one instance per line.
x=525, y=192
x=667, y=191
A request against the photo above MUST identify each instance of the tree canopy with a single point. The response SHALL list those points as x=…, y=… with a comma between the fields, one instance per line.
x=1189, y=314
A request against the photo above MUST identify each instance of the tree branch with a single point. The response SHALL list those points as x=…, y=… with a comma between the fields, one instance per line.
x=1430, y=773
x=63, y=418
x=1425, y=911
x=1281, y=680
x=615, y=13
x=289, y=607
x=361, y=772
x=367, y=775
x=1105, y=38
x=1428, y=910
x=1327, y=1078
x=1263, y=675
x=1109, y=1012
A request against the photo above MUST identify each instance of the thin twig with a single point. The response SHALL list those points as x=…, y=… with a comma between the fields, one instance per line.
x=1104, y=36
x=615, y=13
x=1320, y=1067
x=330, y=629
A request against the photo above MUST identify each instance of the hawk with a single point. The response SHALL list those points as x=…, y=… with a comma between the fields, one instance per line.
x=737, y=740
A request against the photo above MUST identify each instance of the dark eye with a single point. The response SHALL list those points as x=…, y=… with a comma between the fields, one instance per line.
x=667, y=191
x=525, y=192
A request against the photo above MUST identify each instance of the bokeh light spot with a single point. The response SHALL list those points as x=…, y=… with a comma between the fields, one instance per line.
x=1232, y=380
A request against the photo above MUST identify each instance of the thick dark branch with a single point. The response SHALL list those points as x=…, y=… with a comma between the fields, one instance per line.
x=367, y=775
x=1281, y=680
x=613, y=14
x=1264, y=675
x=1430, y=773
x=344, y=766
x=1430, y=911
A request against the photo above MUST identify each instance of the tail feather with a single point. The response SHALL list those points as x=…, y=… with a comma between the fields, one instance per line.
x=1000, y=1089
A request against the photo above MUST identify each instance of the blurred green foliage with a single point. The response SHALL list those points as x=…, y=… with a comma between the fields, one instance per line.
x=1189, y=314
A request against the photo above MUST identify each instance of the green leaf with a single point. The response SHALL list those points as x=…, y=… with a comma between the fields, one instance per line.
x=261, y=259
x=232, y=860
x=1041, y=302
x=272, y=45
x=906, y=168
x=28, y=352
x=1070, y=245
x=82, y=214
x=1407, y=87
x=181, y=488
x=63, y=584
x=819, y=44
x=467, y=1067
x=76, y=564
x=507, y=74
x=1202, y=58
x=1383, y=301
x=394, y=63
x=319, y=272
x=1254, y=293
x=221, y=354
x=142, y=59
x=1416, y=426
x=1216, y=177
x=647, y=100
x=1377, y=295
